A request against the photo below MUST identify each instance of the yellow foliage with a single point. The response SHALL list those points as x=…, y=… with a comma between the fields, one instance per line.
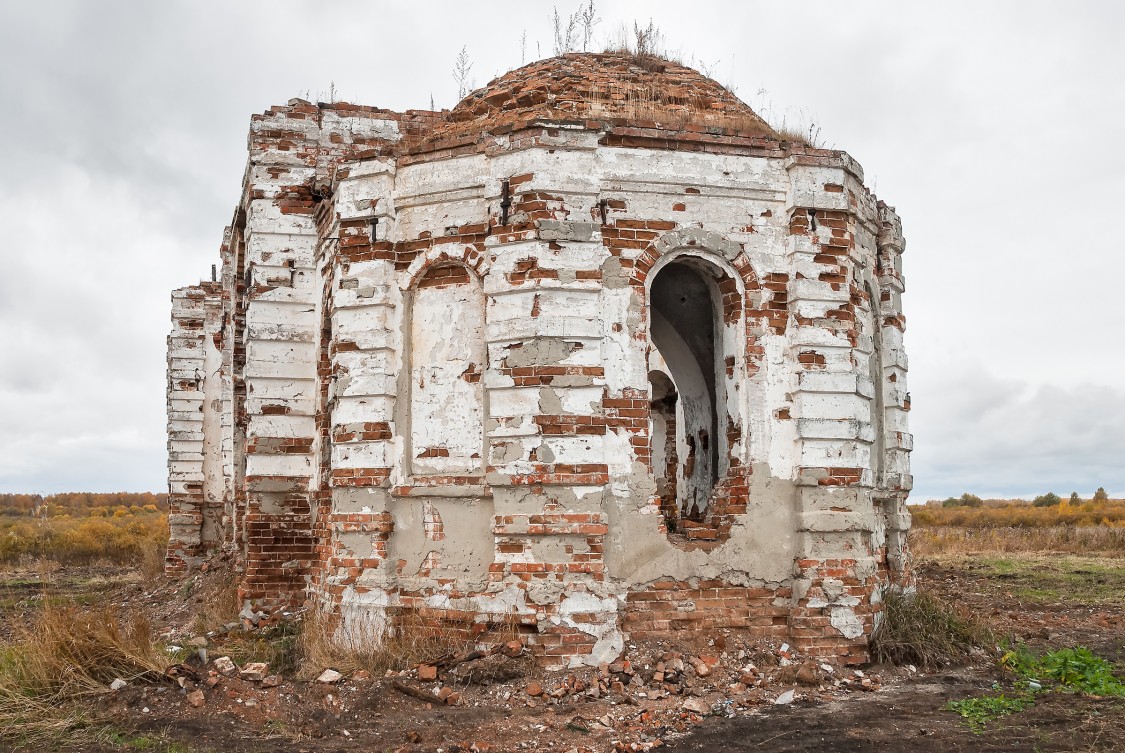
x=1022, y=515
x=121, y=539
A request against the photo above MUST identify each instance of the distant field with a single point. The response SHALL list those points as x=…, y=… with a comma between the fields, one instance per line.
x=1001, y=513
x=1003, y=526
x=80, y=529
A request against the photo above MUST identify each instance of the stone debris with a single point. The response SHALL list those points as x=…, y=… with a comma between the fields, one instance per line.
x=251, y=617
x=329, y=676
x=449, y=696
x=255, y=671
x=645, y=700
x=224, y=666
x=695, y=706
x=702, y=668
x=117, y=684
x=808, y=675
x=656, y=678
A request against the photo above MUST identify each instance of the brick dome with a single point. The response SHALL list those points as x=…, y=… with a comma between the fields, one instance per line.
x=617, y=88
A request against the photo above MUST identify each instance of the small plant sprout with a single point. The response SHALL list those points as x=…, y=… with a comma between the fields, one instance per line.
x=564, y=32
x=587, y=20
x=461, y=67
x=979, y=711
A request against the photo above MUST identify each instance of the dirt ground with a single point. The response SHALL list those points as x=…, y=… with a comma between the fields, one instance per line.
x=719, y=692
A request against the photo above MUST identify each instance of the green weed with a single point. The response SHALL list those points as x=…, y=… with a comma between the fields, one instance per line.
x=1076, y=670
x=979, y=711
x=1069, y=670
x=276, y=645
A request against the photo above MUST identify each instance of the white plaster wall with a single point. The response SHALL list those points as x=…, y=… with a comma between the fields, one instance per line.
x=446, y=408
x=826, y=419
x=214, y=466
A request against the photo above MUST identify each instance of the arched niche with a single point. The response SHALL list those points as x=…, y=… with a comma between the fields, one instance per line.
x=446, y=356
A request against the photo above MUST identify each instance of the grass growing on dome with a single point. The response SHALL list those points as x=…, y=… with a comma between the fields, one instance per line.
x=647, y=47
x=645, y=44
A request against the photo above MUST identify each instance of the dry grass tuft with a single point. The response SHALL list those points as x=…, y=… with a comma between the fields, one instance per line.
x=645, y=44
x=61, y=656
x=804, y=133
x=151, y=560
x=921, y=629
x=324, y=643
x=70, y=652
x=220, y=602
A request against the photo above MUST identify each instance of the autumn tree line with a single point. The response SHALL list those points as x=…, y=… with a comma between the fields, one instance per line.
x=81, y=528
x=82, y=504
x=1044, y=511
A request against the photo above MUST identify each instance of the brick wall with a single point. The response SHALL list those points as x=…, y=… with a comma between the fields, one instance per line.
x=338, y=494
x=192, y=309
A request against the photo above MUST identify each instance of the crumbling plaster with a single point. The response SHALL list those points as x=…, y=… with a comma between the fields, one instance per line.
x=382, y=314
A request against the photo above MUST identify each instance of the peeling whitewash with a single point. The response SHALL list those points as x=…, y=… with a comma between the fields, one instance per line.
x=548, y=379
x=447, y=357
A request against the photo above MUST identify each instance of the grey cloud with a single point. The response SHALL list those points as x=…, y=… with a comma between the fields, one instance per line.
x=989, y=126
x=976, y=432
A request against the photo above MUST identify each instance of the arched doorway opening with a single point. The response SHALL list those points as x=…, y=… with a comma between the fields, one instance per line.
x=688, y=386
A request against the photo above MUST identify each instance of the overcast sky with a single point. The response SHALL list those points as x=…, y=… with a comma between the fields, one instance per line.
x=995, y=128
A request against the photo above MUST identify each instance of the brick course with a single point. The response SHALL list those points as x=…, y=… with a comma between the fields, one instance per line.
x=293, y=399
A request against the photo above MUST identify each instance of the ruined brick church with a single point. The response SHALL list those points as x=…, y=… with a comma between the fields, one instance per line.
x=596, y=352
